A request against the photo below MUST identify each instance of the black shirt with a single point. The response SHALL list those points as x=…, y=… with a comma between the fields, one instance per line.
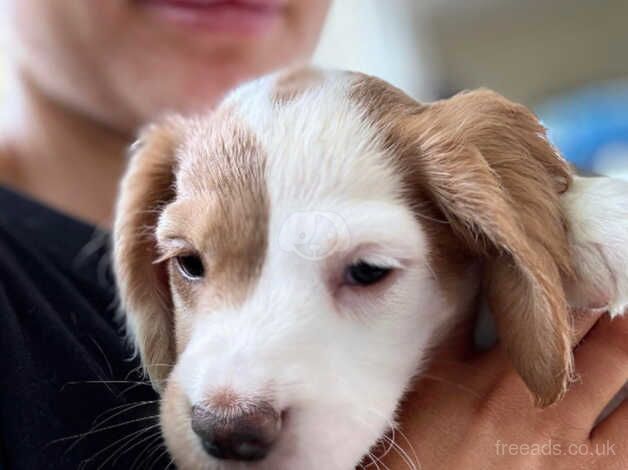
x=71, y=392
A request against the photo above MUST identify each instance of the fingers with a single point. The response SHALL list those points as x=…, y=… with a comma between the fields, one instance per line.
x=450, y=360
x=610, y=440
x=497, y=361
x=602, y=368
x=614, y=428
x=495, y=369
x=583, y=322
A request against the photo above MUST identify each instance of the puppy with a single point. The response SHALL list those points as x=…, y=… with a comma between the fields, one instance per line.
x=287, y=261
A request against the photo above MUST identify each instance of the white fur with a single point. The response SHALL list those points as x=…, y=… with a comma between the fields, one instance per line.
x=597, y=213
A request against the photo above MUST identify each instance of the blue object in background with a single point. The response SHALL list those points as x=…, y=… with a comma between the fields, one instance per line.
x=590, y=125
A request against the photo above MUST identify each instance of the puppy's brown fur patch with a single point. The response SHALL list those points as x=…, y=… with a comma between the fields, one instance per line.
x=145, y=188
x=386, y=109
x=221, y=211
x=485, y=165
x=200, y=186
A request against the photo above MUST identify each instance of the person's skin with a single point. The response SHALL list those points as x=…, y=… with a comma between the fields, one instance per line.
x=472, y=411
x=88, y=73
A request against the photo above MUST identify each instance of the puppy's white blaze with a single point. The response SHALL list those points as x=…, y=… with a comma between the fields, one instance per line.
x=339, y=358
x=597, y=210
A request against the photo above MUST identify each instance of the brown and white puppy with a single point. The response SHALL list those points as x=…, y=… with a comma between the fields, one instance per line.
x=287, y=261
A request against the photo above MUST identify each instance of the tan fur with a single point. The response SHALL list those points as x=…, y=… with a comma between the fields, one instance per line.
x=485, y=163
x=293, y=83
x=384, y=105
x=205, y=196
x=145, y=188
x=222, y=215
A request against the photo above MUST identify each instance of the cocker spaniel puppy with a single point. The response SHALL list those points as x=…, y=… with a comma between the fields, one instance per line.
x=287, y=261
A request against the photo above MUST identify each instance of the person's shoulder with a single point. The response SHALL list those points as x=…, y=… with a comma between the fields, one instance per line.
x=14, y=235
x=27, y=222
x=12, y=243
x=40, y=245
x=53, y=269
x=20, y=262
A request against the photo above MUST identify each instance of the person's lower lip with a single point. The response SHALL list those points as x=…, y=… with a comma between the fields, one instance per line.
x=246, y=17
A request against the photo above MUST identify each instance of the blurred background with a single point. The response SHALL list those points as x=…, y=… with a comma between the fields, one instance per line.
x=566, y=59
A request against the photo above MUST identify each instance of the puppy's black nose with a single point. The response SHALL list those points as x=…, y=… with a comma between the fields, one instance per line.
x=237, y=434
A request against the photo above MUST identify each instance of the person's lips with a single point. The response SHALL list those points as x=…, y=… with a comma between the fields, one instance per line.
x=249, y=17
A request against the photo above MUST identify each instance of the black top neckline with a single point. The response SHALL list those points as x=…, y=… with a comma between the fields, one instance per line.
x=66, y=368
x=25, y=215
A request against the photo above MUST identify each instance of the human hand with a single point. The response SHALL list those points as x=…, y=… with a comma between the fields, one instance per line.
x=472, y=411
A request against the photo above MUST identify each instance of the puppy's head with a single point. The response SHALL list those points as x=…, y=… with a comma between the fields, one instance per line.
x=287, y=260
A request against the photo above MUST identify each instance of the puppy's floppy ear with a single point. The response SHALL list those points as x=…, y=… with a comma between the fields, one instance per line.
x=143, y=286
x=491, y=171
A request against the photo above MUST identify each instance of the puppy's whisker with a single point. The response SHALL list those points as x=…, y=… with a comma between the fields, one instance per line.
x=159, y=457
x=127, y=447
x=132, y=387
x=138, y=369
x=158, y=451
x=103, y=382
x=154, y=364
x=392, y=445
x=129, y=436
x=121, y=449
x=412, y=461
x=170, y=463
x=374, y=460
x=81, y=436
x=121, y=409
x=130, y=407
x=155, y=441
x=102, y=352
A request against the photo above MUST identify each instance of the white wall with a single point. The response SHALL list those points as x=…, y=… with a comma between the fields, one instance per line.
x=379, y=37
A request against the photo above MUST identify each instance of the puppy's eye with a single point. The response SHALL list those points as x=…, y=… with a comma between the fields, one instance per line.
x=365, y=274
x=190, y=266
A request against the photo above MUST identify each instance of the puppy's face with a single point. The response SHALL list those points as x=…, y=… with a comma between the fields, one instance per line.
x=288, y=260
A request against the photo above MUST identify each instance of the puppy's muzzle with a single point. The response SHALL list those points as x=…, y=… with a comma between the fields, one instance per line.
x=245, y=434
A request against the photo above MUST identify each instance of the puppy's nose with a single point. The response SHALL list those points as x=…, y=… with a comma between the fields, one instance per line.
x=237, y=434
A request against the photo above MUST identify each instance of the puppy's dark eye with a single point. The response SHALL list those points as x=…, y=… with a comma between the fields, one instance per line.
x=190, y=266
x=365, y=274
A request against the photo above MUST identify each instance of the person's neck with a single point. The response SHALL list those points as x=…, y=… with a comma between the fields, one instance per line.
x=61, y=157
